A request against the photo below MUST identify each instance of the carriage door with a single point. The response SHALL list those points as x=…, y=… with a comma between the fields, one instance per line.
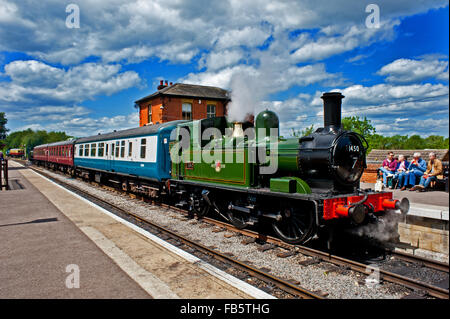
x=111, y=156
x=165, y=154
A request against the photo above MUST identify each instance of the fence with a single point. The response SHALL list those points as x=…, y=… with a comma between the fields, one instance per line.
x=3, y=175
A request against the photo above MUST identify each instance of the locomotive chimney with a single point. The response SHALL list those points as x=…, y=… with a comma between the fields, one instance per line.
x=332, y=102
x=237, y=129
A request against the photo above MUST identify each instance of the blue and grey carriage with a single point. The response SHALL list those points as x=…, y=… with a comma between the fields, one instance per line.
x=138, y=158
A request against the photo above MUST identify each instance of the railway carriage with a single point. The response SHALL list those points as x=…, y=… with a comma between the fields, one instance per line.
x=40, y=154
x=58, y=155
x=16, y=153
x=137, y=158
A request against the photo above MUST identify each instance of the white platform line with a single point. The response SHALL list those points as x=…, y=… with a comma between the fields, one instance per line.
x=229, y=279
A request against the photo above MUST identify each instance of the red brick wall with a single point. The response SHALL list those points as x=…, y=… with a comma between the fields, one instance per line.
x=172, y=109
x=370, y=173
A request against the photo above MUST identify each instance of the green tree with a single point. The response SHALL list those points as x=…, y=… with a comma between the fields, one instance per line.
x=29, y=139
x=3, y=129
x=358, y=125
x=305, y=132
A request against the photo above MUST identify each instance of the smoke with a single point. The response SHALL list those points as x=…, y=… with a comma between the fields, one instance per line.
x=384, y=230
x=251, y=86
x=245, y=96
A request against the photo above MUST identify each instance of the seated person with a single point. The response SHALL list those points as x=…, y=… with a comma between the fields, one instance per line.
x=388, y=167
x=434, y=168
x=415, y=169
x=400, y=173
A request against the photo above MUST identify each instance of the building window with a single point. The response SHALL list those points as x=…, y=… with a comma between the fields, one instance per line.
x=130, y=149
x=210, y=111
x=86, y=149
x=101, y=147
x=186, y=111
x=143, y=147
x=149, y=120
x=93, y=150
x=122, y=149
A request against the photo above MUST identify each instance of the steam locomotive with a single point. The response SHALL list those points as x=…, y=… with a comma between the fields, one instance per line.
x=244, y=172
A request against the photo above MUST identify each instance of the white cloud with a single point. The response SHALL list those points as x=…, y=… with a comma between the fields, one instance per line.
x=408, y=70
x=347, y=39
x=175, y=30
x=36, y=83
x=85, y=126
x=218, y=60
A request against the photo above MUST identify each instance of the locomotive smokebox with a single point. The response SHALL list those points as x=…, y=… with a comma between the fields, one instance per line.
x=332, y=103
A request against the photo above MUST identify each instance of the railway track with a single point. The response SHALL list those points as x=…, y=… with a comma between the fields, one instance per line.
x=246, y=270
x=319, y=255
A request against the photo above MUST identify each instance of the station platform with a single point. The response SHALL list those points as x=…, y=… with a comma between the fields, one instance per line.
x=51, y=240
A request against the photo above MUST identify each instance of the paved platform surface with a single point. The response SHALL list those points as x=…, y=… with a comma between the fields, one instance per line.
x=38, y=242
x=44, y=228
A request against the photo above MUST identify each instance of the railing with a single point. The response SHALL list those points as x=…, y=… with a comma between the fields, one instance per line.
x=3, y=175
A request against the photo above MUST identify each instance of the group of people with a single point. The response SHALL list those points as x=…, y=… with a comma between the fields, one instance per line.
x=404, y=174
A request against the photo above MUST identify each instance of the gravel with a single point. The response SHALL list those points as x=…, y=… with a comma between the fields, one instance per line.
x=319, y=277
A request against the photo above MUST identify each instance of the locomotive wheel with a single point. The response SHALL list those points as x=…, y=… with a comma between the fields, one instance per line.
x=293, y=228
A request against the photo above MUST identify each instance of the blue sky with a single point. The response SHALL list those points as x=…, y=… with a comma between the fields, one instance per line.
x=278, y=55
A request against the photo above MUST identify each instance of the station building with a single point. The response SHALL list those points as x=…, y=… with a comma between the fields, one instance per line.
x=181, y=101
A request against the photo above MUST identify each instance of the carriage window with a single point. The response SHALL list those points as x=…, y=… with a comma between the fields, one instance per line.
x=101, y=147
x=107, y=149
x=210, y=111
x=130, y=149
x=112, y=149
x=93, y=149
x=117, y=149
x=122, y=149
x=143, y=147
x=86, y=149
x=70, y=149
x=186, y=111
x=80, y=150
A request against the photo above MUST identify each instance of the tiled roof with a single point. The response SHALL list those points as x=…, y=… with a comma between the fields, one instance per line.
x=190, y=90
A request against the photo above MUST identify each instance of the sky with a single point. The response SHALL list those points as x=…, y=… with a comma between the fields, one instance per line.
x=83, y=78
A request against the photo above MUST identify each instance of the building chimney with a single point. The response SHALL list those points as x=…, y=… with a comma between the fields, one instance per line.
x=171, y=83
x=167, y=83
x=332, y=103
x=161, y=85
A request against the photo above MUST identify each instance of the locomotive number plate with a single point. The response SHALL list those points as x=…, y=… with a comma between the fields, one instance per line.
x=352, y=148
